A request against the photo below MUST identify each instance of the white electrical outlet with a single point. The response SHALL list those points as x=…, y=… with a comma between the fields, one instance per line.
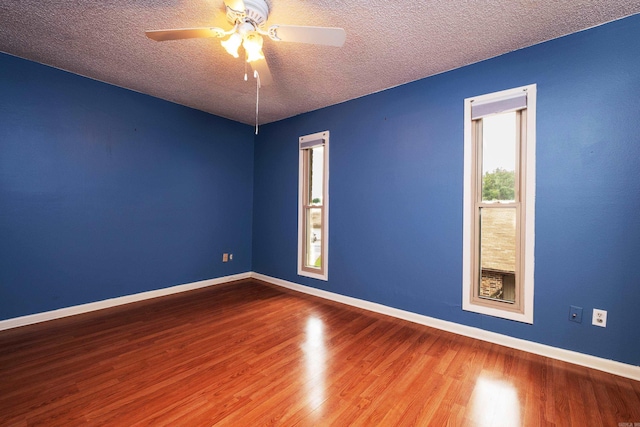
x=230, y=257
x=599, y=318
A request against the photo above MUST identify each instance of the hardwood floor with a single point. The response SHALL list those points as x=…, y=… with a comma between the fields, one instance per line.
x=247, y=354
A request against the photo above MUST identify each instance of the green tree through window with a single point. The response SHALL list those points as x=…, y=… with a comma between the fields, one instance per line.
x=498, y=185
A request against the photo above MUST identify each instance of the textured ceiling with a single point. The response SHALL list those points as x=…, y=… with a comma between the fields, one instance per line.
x=388, y=43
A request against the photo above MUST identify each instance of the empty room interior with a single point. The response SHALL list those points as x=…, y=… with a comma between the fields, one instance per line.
x=320, y=213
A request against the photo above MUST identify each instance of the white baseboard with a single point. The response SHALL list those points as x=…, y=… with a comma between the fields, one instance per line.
x=606, y=365
x=112, y=302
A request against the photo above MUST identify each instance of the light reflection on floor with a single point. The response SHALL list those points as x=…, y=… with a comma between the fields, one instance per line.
x=315, y=359
x=494, y=403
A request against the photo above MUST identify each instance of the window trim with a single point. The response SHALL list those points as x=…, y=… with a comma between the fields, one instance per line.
x=528, y=174
x=304, y=144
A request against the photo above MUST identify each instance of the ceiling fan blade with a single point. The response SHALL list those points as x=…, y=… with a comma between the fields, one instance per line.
x=185, y=33
x=262, y=68
x=236, y=5
x=315, y=35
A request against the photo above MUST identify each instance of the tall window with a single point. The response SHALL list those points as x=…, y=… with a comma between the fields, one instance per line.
x=499, y=198
x=313, y=183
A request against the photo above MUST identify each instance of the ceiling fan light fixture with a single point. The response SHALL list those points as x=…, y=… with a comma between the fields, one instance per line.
x=249, y=18
x=253, y=46
x=232, y=44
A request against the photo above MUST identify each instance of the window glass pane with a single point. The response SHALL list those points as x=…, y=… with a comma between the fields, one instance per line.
x=498, y=253
x=499, y=139
x=313, y=238
x=316, y=178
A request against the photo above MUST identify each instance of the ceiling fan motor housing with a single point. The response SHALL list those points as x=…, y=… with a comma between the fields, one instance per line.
x=256, y=12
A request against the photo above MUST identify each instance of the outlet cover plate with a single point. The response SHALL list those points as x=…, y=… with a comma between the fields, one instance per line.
x=599, y=318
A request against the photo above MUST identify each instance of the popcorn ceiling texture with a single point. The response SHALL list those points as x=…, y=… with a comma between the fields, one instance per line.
x=388, y=43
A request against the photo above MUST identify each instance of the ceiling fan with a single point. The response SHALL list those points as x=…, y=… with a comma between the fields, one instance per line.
x=248, y=18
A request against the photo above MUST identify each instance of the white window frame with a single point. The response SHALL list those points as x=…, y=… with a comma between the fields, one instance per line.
x=525, y=314
x=321, y=273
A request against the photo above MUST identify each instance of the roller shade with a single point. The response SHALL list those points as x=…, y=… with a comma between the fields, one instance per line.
x=511, y=103
x=312, y=143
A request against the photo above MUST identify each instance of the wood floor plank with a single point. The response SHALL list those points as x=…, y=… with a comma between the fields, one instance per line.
x=249, y=353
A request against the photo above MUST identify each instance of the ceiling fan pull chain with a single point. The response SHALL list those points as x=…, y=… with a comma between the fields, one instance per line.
x=257, y=77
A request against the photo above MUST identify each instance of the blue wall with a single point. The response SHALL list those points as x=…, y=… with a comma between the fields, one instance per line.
x=396, y=191
x=105, y=192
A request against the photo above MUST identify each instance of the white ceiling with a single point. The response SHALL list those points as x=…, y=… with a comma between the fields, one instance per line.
x=388, y=43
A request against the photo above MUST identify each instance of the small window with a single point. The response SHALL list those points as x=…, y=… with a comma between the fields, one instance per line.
x=313, y=209
x=499, y=197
